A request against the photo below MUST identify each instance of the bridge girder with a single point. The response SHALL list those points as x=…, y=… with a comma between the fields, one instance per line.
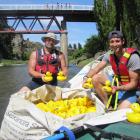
x=14, y=25
x=20, y=13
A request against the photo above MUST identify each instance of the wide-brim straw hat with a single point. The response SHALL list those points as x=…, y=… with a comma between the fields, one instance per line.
x=52, y=36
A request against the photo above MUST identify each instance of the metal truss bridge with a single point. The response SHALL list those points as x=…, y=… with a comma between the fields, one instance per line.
x=30, y=19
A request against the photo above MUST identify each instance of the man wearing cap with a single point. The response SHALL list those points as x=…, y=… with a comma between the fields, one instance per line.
x=125, y=63
x=43, y=60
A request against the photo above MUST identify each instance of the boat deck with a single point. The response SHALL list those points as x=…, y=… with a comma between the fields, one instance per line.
x=121, y=130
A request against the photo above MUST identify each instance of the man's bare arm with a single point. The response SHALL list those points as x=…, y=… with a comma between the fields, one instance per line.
x=97, y=69
x=63, y=64
x=134, y=77
x=31, y=66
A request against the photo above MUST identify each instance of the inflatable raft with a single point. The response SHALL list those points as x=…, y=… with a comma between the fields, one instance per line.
x=23, y=120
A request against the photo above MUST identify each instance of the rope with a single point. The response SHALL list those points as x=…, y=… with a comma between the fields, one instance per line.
x=117, y=93
x=115, y=79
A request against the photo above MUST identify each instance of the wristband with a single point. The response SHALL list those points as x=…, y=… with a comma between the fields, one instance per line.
x=85, y=77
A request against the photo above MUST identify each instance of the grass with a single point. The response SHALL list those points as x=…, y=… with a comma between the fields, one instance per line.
x=7, y=62
x=84, y=62
x=81, y=63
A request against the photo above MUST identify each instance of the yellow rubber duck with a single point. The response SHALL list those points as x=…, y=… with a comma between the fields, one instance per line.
x=88, y=84
x=108, y=83
x=60, y=76
x=135, y=107
x=107, y=88
x=134, y=116
x=48, y=77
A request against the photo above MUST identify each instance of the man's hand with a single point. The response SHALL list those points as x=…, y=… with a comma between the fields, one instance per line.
x=43, y=78
x=114, y=89
x=87, y=83
x=110, y=90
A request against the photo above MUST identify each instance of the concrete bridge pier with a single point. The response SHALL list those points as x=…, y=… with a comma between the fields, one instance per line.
x=64, y=40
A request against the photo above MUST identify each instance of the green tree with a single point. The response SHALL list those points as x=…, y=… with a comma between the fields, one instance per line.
x=74, y=46
x=5, y=42
x=70, y=52
x=105, y=15
x=115, y=14
x=92, y=46
x=70, y=46
x=79, y=46
x=130, y=22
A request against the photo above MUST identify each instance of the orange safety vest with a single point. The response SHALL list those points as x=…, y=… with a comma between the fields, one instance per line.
x=47, y=62
x=120, y=68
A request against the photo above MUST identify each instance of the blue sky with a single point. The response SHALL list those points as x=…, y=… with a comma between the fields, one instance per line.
x=77, y=31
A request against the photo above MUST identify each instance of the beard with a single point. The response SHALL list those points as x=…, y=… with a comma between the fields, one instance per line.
x=49, y=46
x=116, y=49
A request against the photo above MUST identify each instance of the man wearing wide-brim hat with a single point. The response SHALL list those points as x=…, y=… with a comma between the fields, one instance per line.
x=44, y=60
x=50, y=36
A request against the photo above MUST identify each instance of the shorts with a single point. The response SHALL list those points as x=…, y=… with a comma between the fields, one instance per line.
x=126, y=95
x=32, y=85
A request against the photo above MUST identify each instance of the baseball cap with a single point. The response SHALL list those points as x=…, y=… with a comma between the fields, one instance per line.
x=115, y=34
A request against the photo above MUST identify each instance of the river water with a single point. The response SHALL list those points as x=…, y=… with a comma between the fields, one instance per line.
x=12, y=78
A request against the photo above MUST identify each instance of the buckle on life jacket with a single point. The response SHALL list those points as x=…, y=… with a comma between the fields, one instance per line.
x=53, y=62
x=116, y=76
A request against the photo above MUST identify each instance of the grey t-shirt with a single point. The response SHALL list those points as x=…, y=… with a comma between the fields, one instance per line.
x=133, y=62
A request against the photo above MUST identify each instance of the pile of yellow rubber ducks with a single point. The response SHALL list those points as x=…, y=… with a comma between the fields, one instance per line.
x=48, y=76
x=88, y=84
x=68, y=107
x=134, y=116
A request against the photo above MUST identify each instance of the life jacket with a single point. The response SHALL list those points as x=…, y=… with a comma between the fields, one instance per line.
x=120, y=68
x=47, y=62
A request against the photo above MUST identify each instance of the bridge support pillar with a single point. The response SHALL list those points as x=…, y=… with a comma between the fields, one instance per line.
x=64, y=40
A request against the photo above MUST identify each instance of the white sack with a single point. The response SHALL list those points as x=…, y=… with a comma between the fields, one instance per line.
x=23, y=120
